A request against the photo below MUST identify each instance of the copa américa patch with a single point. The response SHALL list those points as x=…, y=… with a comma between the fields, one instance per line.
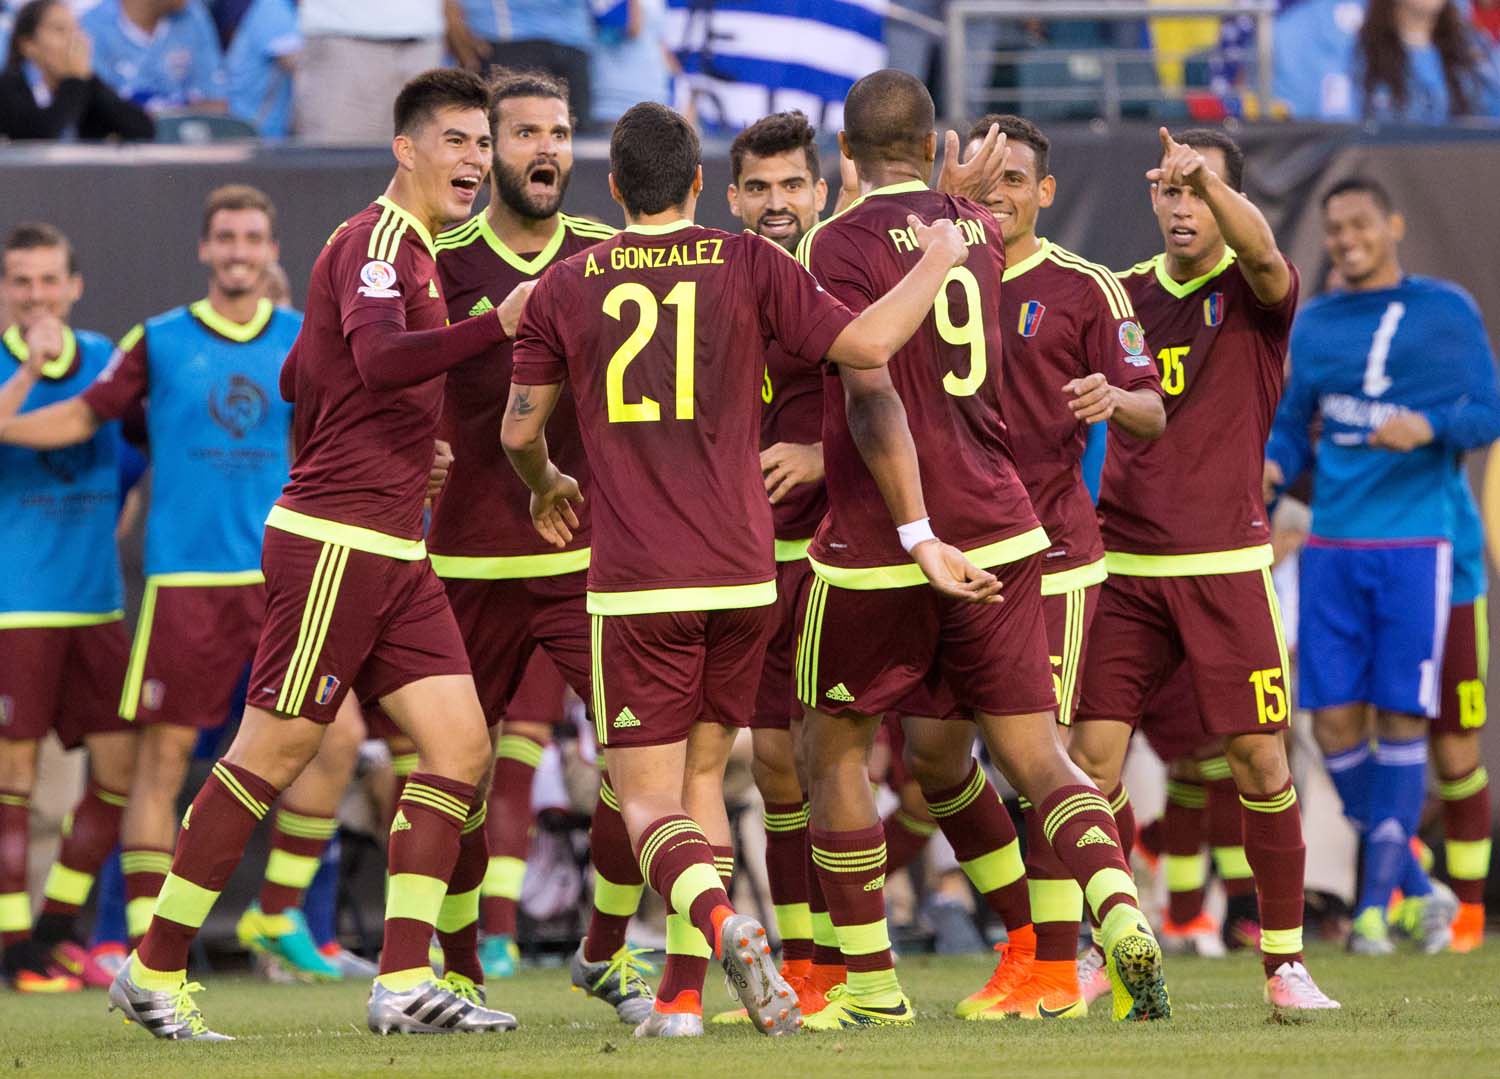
x=379, y=279
x=1132, y=338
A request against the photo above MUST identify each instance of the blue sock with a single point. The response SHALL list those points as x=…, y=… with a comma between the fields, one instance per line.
x=1353, y=774
x=109, y=897
x=1414, y=880
x=1397, y=790
x=320, y=900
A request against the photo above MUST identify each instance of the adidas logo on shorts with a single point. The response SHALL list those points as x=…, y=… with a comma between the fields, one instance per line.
x=400, y=824
x=840, y=693
x=626, y=718
x=1094, y=836
x=481, y=307
x=876, y=884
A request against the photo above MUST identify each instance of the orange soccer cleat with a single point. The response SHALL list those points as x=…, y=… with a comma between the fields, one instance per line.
x=1017, y=956
x=1468, y=928
x=1051, y=992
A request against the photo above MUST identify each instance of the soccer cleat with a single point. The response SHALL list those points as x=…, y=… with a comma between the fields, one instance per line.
x=619, y=981
x=1468, y=928
x=1435, y=919
x=1133, y=959
x=110, y=957
x=670, y=1025
x=1011, y=970
x=1050, y=992
x=51, y=981
x=797, y=981
x=75, y=959
x=349, y=964
x=165, y=1013
x=746, y=956
x=434, y=1007
x=498, y=956
x=286, y=937
x=1369, y=935
x=844, y=1012
x=1093, y=979
x=1291, y=988
x=1200, y=937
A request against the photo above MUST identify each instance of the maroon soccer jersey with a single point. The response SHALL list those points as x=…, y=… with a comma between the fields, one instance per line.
x=662, y=334
x=1197, y=488
x=484, y=509
x=363, y=456
x=1062, y=318
x=949, y=379
x=792, y=411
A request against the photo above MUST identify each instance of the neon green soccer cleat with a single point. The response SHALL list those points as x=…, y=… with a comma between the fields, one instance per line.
x=1133, y=959
x=844, y=1012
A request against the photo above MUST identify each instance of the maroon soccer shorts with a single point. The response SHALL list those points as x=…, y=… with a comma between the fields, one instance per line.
x=1226, y=629
x=916, y=652
x=541, y=693
x=776, y=705
x=1068, y=616
x=1171, y=722
x=339, y=619
x=64, y=679
x=1465, y=669
x=191, y=646
x=504, y=621
x=655, y=675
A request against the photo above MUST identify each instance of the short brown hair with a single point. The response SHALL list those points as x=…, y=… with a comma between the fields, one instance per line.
x=31, y=235
x=1206, y=138
x=237, y=197
x=778, y=133
x=440, y=88
x=507, y=83
x=653, y=155
x=1015, y=129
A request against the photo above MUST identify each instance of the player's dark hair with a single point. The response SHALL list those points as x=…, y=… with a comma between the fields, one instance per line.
x=507, y=83
x=31, y=235
x=887, y=117
x=1015, y=129
x=237, y=197
x=779, y=133
x=28, y=19
x=1361, y=185
x=1384, y=57
x=440, y=88
x=653, y=156
x=1206, y=138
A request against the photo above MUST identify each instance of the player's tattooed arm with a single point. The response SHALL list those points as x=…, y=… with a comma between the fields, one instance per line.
x=523, y=433
x=1244, y=227
x=1138, y=413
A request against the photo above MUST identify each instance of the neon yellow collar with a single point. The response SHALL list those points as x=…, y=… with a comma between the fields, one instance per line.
x=405, y=214
x=660, y=230
x=1187, y=288
x=532, y=266
x=1030, y=262
x=239, y=332
x=54, y=368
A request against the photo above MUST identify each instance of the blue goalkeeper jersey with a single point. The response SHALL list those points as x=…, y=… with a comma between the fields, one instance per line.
x=1470, y=578
x=1359, y=358
x=58, y=507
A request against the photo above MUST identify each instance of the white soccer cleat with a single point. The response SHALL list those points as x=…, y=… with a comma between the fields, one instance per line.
x=1292, y=989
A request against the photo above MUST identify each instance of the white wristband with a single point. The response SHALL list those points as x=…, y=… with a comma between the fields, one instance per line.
x=915, y=532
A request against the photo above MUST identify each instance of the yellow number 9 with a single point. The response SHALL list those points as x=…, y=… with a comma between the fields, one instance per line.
x=970, y=333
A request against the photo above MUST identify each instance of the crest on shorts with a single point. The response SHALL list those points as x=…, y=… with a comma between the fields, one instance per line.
x=7, y=707
x=1213, y=309
x=1132, y=338
x=327, y=686
x=1031, y=318
x=152, y=693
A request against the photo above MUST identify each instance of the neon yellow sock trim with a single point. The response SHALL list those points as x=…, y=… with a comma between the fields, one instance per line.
x=864, y=939
x=823, y=932
x=415, y=896
x=1185, y=872
x=692, y=882
x=1231, y=863
x=458, y=911
x=997, y=868
x=155, y=981
x=793, y=921
x=1055, y=900
x=1281, y=941
x=399, y=981
x=1458, y=789
x=138, y=915
x=291, y=870
x=875, y=988
x=66, y=885
x=1107, y=882
x=683, y=938
x=504, y=877
x=1468, y=859
x=618, y=900
x=184, y=902
x=15, y=912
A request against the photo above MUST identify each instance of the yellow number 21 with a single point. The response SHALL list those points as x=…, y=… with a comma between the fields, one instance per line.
x=683, y=297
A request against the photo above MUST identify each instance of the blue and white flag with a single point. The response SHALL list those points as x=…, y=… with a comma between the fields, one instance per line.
x=743, y=59
x=610, y=16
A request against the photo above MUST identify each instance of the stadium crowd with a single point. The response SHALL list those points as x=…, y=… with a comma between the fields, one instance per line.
x=434, y=526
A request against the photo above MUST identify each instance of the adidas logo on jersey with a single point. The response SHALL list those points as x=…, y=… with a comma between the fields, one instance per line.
x=840, y=693
x=1094, y=836
x=481, y=307
x=876, y=884
x=400, y=824
x=626, y=718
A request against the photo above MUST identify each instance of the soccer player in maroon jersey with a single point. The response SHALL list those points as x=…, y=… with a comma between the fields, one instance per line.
x=682, y=579
x=873, y=640
x=1073, y=356
x=511, y=592
x=1185, y=532
x=352, y=602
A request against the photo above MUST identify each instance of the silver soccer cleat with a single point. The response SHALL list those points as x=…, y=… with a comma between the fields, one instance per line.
x=753, y=975
x=670, y=1025
x=433, y=1007
x=1435, y=925
x=618, y=981
x=164, y=1013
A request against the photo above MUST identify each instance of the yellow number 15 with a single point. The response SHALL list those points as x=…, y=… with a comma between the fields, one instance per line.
x=646, y=410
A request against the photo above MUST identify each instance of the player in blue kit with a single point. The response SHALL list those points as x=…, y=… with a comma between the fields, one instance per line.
x=1400, y=370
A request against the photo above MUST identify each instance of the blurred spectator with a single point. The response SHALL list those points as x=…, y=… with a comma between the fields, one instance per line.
x=1486, y=16
x=227, y=16
x=631, y=61
x=161, y=54
x=48, y=89
x=356, y=56
x=1419, y=61
x=261, y=59
x=554, y=36
x=1315, y=42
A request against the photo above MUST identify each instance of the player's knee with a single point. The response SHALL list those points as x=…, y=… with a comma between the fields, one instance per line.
x=464, y=754
x=1258, y=762
x=1096, y=761
x=936, y=770
x=1455, y=754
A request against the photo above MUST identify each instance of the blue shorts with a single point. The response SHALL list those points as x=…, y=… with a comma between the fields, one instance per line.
x=1372, y=624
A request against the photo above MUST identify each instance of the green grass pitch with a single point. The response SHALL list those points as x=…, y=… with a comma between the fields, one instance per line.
x=1405, y=1016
